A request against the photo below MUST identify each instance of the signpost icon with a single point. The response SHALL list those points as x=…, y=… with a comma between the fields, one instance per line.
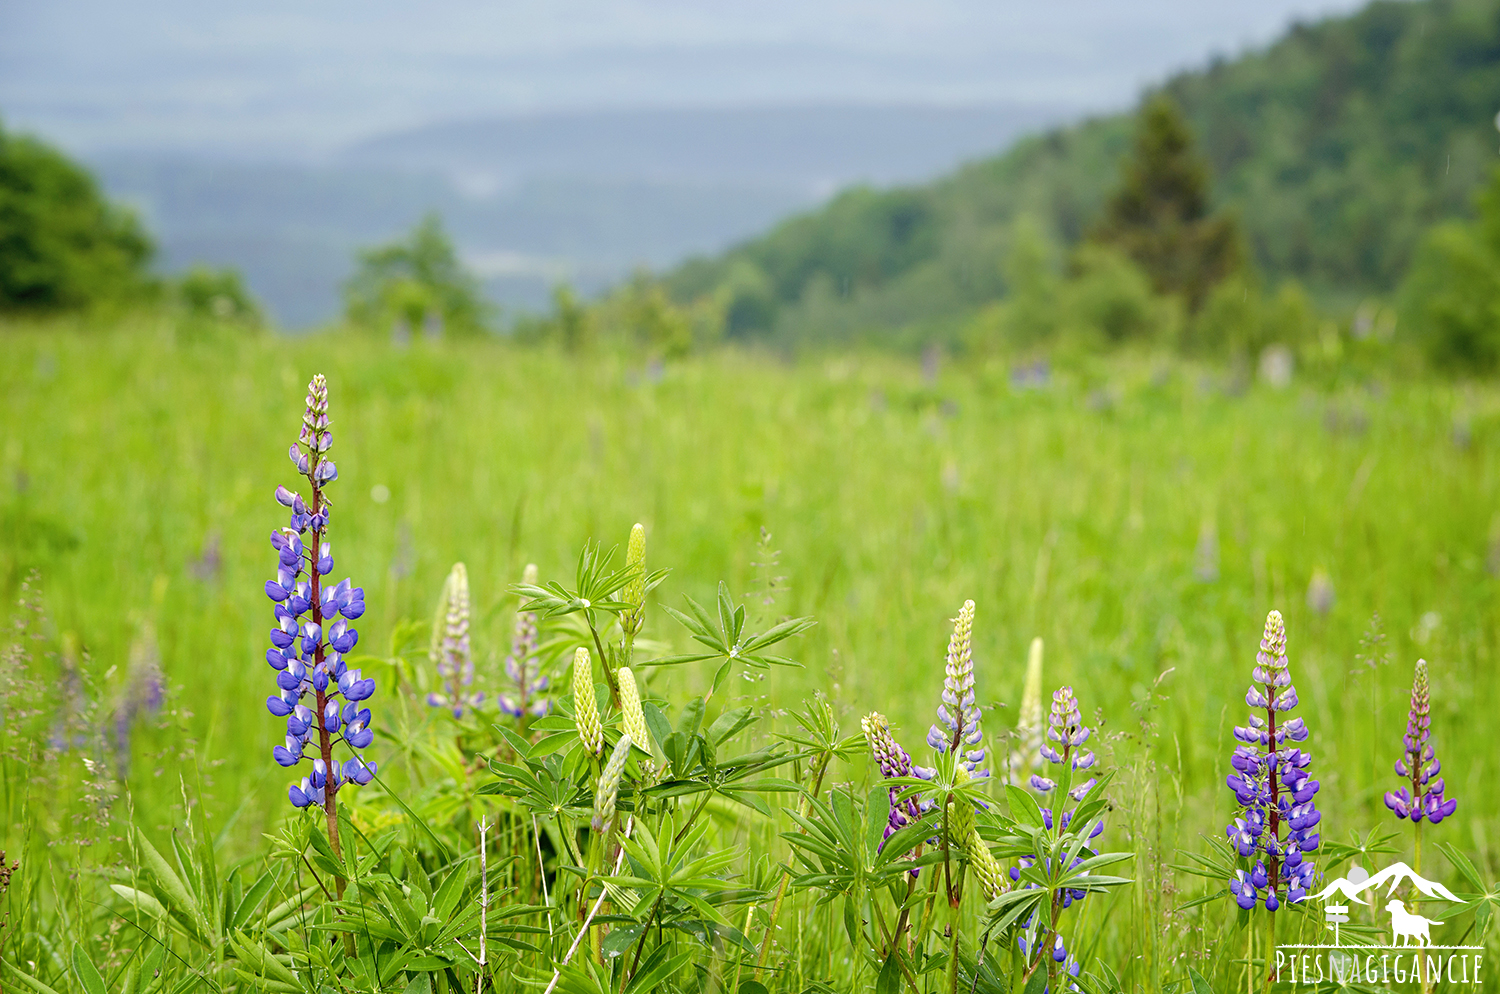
x=1336, y=914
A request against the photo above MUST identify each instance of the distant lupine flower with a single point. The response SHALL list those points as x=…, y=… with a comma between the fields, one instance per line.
x=585, y=706
x=957, y=727
x=1029, y=729
x=1272, y=785
x=141, y=694
x=1207, y=554
x=454, y=658
x=1320, y=592
x=894, y=762
x=312, y=635
x=1419, y=764
x=522, y=667
x=607, y=794
x=1066, y=733
x=634, y=592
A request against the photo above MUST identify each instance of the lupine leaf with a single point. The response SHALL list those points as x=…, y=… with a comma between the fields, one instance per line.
x=171, y=885
x=656, y=969
x=261, y=962
x=889, y=979
x=86, y=972
x=141, y=900
x=29, y=981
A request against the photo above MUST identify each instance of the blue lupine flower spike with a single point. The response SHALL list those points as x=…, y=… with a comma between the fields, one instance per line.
x=1272, y=786
x=312, y=634
x=1419, y=763
x=1062, y=745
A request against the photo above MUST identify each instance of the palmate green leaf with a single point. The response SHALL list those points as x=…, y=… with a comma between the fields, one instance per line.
x=725, y=638
x=260, y=962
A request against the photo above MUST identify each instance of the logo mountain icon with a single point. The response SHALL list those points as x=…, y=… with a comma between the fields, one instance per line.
x=1395, y=875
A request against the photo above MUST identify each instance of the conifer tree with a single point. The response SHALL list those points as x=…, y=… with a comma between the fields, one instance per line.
x=1160, y=214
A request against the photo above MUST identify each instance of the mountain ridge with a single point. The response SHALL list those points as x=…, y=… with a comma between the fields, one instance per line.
x=1338, y=146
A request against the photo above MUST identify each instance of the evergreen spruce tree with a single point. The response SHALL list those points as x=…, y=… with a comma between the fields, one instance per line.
x=1160, y=214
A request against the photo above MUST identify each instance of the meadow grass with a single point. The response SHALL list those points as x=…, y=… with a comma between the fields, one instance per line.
x=1139, y=514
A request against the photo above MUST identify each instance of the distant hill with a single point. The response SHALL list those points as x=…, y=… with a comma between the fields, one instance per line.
x=537, y=200
x=806, y=147
x=1337, y=146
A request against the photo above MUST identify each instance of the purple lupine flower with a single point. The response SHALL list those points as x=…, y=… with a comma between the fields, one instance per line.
x=894, y=762
x=1419, y=764
x=451, y=653
x=957, y=728
x=1063, y=746
x=311, y=632
x=1272, y=786
x=141, y=695
x=522, y=667
x=1066, y=733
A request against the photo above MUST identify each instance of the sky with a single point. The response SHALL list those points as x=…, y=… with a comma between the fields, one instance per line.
x=297, y=80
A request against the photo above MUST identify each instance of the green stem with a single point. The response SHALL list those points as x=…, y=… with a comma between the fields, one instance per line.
x=802, y=808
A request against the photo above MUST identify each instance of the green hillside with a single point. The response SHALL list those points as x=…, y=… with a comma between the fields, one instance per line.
x=1338, y=146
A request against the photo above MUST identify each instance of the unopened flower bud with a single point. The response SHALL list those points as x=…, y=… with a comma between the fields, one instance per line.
x=590, y=729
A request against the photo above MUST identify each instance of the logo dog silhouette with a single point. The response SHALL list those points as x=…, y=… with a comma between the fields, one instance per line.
x=1407, y=926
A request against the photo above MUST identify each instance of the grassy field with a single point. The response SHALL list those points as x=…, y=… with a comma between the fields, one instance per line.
x=1139, y=515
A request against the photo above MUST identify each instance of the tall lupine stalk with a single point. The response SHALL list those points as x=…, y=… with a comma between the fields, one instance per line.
x=1062, y=746
x=1271, y=783
x=1420, y=765
x=957, y=729
x=1032, y=723
x=522, y=667
x=312, y=633
x=452, y=653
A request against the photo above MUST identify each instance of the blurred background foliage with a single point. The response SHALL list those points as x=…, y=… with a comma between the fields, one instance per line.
x=1245, y=205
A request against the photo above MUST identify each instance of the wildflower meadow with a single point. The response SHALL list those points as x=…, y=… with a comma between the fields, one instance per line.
x=338, y=665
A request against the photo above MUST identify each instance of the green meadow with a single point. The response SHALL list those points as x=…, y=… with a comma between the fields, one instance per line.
x=1140, y=514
